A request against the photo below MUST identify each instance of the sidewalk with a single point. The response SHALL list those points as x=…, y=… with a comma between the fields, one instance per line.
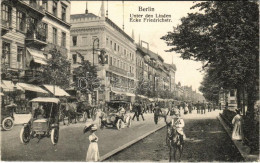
x=243, y=149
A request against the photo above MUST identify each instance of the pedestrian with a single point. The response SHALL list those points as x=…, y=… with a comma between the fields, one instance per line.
x=237, y=133
x=203, y=108
x=198, y=107
x=93, y=152
x=135, y=109
x=140, y=110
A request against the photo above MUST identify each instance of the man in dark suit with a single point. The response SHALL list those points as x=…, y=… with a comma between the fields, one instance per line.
x=140, y=110
x=135, y=109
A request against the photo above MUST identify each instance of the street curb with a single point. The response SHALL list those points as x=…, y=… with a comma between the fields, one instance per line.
x=115, y=151
x=243, y=149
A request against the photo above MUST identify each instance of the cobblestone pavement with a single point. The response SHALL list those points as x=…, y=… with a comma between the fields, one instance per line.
x=206, y=141
x=73, y=144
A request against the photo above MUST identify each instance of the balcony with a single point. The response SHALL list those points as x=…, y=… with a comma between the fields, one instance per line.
x=5, y=26
x=36, y=37
x=32, y=7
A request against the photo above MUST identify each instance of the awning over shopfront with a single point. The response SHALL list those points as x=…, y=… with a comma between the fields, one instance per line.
x=151, y=99
x=129, y=94
x=56, y=90
x=143, y=96
x=9, y=86
x=118, y=93
x=37, y=56
x=30, y=87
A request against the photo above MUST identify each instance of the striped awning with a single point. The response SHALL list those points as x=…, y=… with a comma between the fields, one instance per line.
x=33, y=88
x=56, y=90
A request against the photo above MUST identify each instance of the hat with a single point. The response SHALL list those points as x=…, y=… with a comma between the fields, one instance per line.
x=88, y=127
x=94, y=128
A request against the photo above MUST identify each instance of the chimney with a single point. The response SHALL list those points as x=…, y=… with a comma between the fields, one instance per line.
x=133, y=35
x=86, y=11
x=102, y=9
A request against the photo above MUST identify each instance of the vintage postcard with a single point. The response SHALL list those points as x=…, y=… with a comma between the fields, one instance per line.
x=129, y=81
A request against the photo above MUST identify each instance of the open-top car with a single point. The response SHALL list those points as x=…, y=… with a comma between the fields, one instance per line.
x=44, y=121
x=116, y=114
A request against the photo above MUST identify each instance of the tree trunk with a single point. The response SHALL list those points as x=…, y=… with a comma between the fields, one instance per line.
x=238, y=94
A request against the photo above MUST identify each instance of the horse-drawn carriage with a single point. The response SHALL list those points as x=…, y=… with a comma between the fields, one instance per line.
x=116, y=115
x=44, y=121
x=71, y=109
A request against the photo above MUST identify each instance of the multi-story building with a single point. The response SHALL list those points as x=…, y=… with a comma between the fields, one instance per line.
x=29, y=29
x=119, y=75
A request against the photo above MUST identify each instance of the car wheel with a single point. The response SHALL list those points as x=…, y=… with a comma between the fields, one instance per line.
x=119, y=124
x=8, y=124
x=54, y=136
x=25, y=135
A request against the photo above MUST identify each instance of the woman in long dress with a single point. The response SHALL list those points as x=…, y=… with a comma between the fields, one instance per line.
x=93, y=152
x=237, y=133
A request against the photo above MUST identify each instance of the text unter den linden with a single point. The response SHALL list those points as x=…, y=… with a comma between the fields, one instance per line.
x=155, y=17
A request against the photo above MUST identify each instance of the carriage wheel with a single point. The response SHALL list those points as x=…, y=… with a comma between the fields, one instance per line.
x=25, y=135
x=8, y=124
x=119, y=124
x=54, y=136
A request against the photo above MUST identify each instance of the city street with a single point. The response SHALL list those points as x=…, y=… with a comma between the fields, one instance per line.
x=72, y=145
x=206, y=141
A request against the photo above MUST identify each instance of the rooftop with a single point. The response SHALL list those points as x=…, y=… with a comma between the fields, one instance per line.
x=77, y=16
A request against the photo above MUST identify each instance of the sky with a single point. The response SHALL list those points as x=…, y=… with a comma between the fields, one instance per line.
x=187, y=71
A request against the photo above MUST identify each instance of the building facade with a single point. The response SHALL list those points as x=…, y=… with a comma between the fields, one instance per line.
x=29, y=29
x=90, y=32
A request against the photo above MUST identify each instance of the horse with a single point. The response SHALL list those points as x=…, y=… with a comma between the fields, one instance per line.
x=68, y=110
x=173, y=142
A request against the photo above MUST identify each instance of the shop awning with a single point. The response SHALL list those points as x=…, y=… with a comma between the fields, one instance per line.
x=37, y=56
x=30, y=87
x=9, y=86
x=56, y=90
x=116, y=92
x=129, y=94
x=142, y=96
x=1, y=94
x=151, y=99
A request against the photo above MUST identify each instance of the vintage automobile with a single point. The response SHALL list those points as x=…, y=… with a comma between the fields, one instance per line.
x=44, y=121
x=114, y=116
x=7, y=116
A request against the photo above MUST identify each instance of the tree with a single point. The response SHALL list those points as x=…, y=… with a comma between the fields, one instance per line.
x=224, y=35
x=86, y=77
x=57, y=71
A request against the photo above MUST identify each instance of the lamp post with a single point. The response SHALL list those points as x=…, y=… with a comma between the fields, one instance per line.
x=96, y=39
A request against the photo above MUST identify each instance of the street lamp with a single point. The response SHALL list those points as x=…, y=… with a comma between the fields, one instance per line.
x=96, y=39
